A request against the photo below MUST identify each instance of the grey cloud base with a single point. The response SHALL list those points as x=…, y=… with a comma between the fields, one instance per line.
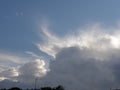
x=89, y=60
x=75, y=71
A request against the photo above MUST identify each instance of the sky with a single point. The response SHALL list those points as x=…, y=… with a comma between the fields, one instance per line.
x=73, y=43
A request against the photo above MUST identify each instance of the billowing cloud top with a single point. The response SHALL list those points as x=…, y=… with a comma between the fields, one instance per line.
x=88, y=59
x=93, y=38
x=84, y=60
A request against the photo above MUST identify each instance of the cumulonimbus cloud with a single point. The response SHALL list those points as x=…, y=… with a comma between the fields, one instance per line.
x=86, y=60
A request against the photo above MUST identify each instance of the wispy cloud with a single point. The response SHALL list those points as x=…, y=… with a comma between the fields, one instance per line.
x=33, y=54
x=4, y=57
x=92, y=38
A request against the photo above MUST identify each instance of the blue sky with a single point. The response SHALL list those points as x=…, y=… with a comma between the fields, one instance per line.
x=82, y=36
x=18, y=32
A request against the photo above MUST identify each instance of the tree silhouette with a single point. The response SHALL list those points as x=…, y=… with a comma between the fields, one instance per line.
x=56, y=88
x=15, y=88
x=59, y=87
x=46, y=88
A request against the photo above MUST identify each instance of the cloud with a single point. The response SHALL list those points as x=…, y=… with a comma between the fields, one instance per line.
x=9, y=63
x=11, y=58
x=24, y=75
x=92, y=38
x=88, y=59
x=19, y=68
x=32, y=54
x=74, y=71
x=31, y=70
x=10, y=74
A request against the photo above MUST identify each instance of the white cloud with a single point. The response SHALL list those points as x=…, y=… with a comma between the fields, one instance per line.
x=10, y=73
x=9, y=64
x=29, y=71
x=88, y=59
x=32, y=54
x=24, y=72
x=92, y=38
x=11, y=58
x=84, y=60
x=17, y=67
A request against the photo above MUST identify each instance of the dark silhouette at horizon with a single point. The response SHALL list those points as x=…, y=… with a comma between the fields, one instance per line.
x=59, y=87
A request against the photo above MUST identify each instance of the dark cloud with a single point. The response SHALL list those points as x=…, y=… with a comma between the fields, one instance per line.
x=9, y=83
x=74, y=71
x=74, y=68
x=87, y=60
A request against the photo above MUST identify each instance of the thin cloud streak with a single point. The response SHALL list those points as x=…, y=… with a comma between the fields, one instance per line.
x=11, y=58
x=32, y=54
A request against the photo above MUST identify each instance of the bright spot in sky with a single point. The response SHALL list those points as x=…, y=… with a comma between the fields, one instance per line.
x=115, y=41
